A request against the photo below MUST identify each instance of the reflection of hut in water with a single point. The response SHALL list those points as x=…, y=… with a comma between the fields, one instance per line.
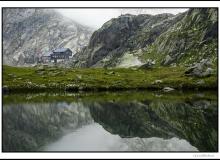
x=57, y=54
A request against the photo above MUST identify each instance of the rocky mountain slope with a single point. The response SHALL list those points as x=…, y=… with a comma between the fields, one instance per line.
x=29, y=33
x=120, y=35
x=189, y=41
x=164, y=39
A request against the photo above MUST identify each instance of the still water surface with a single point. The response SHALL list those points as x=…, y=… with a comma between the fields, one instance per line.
x=123, y=121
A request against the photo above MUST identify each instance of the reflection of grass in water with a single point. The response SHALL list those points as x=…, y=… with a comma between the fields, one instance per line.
x=122, y=96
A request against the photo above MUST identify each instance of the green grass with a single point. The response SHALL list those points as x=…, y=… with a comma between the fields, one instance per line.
x=99, y=79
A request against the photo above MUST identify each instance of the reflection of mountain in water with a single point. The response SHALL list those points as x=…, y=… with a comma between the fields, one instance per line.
x=93, y=137
x=195, y=121
x=26, y=127
x=133, y=124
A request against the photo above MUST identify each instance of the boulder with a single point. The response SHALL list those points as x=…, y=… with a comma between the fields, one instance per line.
x=40, y=67
x=157, y=81
x=149, y=64
x=168, y=89
x=208, y=72
x=199, y=69
x=111, y=72
x=206, y=62
x=79, y=76
x=12, y=75
x=200, y=82
x=168, y=60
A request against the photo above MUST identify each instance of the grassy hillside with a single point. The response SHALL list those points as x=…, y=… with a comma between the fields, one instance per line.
x=98, y=79
x=189, y=41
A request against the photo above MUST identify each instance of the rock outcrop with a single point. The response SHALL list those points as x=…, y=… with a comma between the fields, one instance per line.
x=201, y=69
x=121, y=36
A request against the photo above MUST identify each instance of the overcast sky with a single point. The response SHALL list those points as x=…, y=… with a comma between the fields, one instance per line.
x=95, y=18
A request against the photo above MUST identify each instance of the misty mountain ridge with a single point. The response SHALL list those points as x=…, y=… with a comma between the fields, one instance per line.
x=30, y=33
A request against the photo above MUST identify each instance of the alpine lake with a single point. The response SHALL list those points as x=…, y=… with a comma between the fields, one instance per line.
x=133, y=121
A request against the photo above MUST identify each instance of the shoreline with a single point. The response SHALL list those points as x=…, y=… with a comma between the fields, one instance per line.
x=89, y=90
x=53, y=79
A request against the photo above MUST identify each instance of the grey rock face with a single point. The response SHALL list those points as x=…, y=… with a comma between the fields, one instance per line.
x=126, y=33
x=29, y=33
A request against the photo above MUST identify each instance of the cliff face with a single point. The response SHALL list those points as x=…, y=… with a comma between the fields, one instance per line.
x=28, y=33
x=163, y=39
x=120, y=35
